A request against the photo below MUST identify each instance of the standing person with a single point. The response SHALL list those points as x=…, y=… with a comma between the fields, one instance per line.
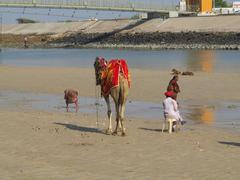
x=170, y=107
x=25, y=42
x=173, y=86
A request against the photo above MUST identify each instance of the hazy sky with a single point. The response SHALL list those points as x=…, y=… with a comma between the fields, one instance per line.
x=61, y=15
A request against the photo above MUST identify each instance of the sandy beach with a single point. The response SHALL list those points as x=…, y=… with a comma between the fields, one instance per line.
x=58, y=145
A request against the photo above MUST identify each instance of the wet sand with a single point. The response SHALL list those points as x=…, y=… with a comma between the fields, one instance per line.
x=147, y=85
x=55, y=145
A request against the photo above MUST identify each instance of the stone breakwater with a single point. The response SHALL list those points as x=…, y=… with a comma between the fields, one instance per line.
x=217, y=32
x=165, y=40
x=156, y=40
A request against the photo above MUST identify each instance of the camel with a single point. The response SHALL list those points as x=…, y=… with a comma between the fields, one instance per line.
x=118, y=93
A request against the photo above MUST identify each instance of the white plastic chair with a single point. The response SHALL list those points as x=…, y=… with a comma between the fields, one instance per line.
x=169, y=122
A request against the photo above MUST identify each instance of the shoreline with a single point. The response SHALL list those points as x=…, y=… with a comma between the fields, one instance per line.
x=147, y=41
x=129, y=46
x=30, y=101
x=17, y=78
x=151, y=46
x=198, y=104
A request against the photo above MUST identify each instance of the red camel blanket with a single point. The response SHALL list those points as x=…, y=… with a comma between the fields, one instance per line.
x=110, y=77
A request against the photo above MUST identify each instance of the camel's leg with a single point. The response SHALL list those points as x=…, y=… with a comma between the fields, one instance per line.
x=115, y=95
x=122, y=102
x=117, y=118
x=122, y=112
x=109, y=113
x=119, y=124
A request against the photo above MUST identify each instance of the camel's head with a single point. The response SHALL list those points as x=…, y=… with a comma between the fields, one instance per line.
x=99, y=65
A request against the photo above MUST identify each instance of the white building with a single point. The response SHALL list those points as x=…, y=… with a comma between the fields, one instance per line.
x=236, y=7
x=236, y=4
x=182, y=5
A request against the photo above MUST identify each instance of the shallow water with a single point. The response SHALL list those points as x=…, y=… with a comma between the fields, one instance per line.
x=224, y=115
x=184, y=60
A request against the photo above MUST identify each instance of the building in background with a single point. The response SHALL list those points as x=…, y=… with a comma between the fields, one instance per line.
x=234, y=9
x=236, y=4
x=201, y=6
x=182, y=5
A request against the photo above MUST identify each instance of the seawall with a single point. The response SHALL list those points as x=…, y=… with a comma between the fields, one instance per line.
x=218, y=32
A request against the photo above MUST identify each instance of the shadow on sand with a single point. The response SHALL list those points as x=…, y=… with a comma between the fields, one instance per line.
x=80, y=128
x=229, y=143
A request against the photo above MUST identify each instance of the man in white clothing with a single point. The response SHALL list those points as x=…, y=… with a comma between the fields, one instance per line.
x=170, y=107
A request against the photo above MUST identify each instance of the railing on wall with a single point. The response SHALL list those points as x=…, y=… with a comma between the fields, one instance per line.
x=118, y=5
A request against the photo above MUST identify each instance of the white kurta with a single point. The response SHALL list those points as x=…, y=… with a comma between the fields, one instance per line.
x=170, y=108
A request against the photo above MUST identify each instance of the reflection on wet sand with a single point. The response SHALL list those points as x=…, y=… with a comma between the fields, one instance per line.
x=224, y=115
x=201, y=61
x=205, y=115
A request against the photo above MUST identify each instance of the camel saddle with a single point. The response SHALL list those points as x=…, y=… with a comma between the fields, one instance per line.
x=110, y=76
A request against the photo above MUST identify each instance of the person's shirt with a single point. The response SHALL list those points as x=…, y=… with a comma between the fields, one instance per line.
x=170, y=106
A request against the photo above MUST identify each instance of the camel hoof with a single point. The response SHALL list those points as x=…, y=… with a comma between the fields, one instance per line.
x=108, y=131
x=114, y=133
x=123, y=134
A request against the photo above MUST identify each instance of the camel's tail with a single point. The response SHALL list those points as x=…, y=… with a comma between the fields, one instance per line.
x=123, y=90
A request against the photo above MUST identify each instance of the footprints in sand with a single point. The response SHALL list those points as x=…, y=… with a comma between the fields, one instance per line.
x=36, y=128
x=57, y=130
x=80, y=144
x=50, y=130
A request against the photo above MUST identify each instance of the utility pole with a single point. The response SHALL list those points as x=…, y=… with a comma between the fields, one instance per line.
x=1, y=33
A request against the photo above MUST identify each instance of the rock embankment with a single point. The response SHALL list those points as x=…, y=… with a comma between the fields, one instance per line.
x=167, y=40
x=221, y=32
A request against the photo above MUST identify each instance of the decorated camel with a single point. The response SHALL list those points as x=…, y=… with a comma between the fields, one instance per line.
x=114, y=79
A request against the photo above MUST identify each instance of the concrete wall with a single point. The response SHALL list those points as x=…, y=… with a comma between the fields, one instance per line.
x=89, y=26
x=185, y=24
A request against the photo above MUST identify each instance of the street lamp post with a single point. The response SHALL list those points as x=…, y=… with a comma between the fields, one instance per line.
x=0, y=32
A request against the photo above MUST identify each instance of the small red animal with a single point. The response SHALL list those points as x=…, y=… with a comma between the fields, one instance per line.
x=71, y=96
